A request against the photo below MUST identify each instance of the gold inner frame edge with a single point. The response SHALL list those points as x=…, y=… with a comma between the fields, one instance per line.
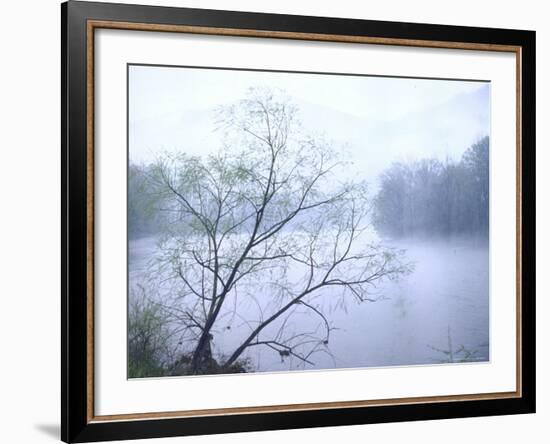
x=121, y=25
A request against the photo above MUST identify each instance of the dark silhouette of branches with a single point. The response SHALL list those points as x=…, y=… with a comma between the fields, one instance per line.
x=265, y=220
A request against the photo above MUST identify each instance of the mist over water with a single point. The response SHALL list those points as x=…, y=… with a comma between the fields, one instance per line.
x=442, y=306
x=290, y=221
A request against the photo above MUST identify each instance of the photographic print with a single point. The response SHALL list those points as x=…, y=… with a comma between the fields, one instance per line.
x=293, y=221
x=276, y=222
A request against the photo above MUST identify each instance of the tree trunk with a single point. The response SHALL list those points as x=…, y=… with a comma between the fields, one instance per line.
x=202, y=356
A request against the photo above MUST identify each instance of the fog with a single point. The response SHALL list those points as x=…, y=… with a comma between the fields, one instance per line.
x=376, y=120
x=246, y=187
x=442, y=306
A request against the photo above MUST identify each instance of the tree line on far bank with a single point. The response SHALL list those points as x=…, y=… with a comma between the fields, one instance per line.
x=429, y=197
x=421, y=198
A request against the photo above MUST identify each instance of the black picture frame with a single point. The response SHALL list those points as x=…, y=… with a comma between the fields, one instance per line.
x=76, y=423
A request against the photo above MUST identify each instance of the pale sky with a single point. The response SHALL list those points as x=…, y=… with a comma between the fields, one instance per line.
x=379, y=119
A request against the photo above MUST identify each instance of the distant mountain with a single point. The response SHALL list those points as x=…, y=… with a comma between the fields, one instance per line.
x=445, y=130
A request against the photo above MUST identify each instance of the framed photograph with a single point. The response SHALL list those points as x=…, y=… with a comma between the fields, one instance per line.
x=275, y=221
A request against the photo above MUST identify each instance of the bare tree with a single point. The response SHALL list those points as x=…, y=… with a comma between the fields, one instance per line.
x=267, y=221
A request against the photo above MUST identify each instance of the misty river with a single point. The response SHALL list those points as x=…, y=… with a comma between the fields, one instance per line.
x=439, y=313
